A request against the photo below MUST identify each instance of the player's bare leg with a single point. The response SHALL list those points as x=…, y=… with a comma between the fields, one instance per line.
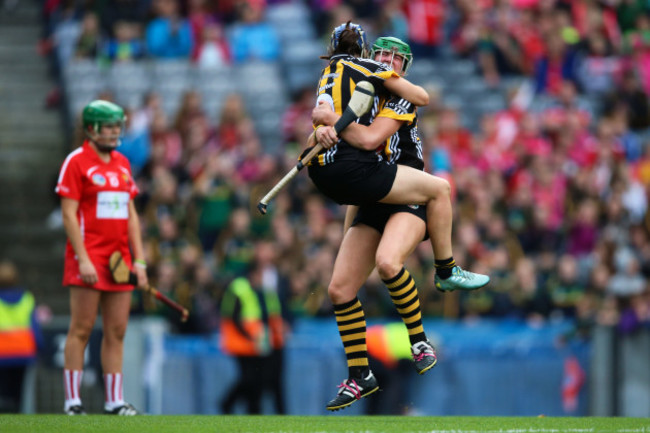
x=84, y=304
x=402, y=234
x=115, y=308
x=354, y=263
x=352, y=267
x=413, y=186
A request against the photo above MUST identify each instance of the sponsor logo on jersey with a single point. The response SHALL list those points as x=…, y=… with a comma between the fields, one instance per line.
x=400, y=107
x=414, y=206
x=99, y=179
x=325, y=87
x=113, y=205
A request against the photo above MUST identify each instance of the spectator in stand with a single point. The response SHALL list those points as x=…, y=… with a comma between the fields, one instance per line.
x=528, y=30
x=627, y=280
x=452, y=136
x=633, y=99
x=199, y=14
x=65, y=28
x=499, y=53
x=234, y=121
x=559, y=63
x=215, y=200
x=127, y=44
x=471, y=30
x=631, y=142
x=198, y=149
x=533, y=301
x=213, y=50
x=595, y=17
x=583, y=234
x=599, y=67
x=253, y=166
x=89, y=43
x=169, y=36
x=252, y=38
x=189, y=113
x=640, y=245
x=638, y=58
x=236, y=244
x=166, y=143
x=628, y=11
x=142, y=118
x=565, y=287
x=20, y=337
x=296, y=120
x=633, y=194
x=564, y=108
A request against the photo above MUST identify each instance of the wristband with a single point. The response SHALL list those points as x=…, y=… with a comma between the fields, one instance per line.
x=139, y=263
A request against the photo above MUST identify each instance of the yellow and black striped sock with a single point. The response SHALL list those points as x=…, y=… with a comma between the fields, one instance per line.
x=404, y=294
x=351, y=322
x=444, y=267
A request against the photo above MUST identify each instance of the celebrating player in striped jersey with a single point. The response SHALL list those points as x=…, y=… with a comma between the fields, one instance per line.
x=394, y=130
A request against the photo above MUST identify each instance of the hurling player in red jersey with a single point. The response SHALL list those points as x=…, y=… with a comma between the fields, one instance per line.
x=97, y=190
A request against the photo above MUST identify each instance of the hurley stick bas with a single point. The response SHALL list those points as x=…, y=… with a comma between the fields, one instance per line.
x=360, y=103
x=123, y=275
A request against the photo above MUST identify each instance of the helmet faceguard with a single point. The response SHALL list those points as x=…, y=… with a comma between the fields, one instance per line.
x=101, y=113
x=396, y=47
x=362, y=42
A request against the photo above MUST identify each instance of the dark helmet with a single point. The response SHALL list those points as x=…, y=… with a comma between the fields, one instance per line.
x=395, y=46
x=362, y=42
x=99, y=113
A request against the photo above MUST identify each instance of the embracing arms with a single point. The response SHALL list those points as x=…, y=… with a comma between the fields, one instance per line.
x=360, y=136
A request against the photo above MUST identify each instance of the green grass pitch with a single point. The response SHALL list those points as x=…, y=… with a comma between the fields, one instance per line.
x=315, y=424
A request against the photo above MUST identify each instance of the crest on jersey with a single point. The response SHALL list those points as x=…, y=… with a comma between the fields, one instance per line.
x=99, y=179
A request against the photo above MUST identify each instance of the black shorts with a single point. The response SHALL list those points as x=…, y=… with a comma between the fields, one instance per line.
x=354, y=182
x=377, y=215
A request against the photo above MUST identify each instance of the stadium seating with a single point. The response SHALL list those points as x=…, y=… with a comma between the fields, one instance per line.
x=129, y=82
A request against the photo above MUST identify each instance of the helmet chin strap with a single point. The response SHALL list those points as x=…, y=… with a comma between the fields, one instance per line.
x=103, y=147
x=100, y=141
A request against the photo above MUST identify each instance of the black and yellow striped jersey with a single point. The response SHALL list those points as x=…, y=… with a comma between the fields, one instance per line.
x=336, y=84
x=404, y=146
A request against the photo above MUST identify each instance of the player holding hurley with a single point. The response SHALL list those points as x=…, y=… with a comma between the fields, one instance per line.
x=99, y=217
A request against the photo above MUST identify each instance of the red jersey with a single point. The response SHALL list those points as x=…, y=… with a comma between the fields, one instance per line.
x=103, y=190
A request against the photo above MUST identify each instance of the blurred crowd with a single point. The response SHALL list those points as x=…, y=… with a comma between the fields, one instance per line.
x=552, y=203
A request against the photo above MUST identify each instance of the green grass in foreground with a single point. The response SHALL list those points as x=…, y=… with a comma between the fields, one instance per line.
x=315, y=424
